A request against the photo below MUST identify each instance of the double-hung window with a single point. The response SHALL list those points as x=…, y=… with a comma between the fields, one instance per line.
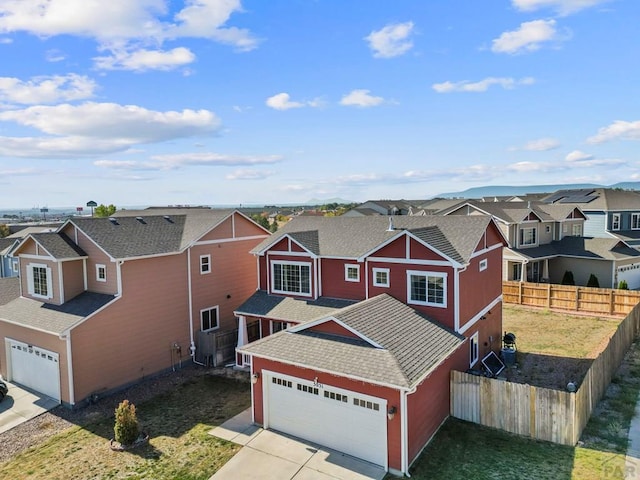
x=352, y=273
x=209, y=319
x=427, y=288
x=635, y=221
x=380, y=277
x=615, y=221
x=101, y=273
x=291, y=277
x=528, y=236
x=205, y=264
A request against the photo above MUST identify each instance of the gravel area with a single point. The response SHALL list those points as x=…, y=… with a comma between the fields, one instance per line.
x=37, y=430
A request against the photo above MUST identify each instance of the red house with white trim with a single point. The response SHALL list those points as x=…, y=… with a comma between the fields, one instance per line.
x=357, y=323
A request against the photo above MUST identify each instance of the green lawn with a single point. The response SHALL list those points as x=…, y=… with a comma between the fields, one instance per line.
x=179, y=448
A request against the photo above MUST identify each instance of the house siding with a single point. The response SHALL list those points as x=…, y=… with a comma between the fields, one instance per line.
x=334, y=284
x=596, y=224
x=582, y=270
x=38, y=339
x=391, y=395
x=333, y=328
x=73, y=278
x=55, y=279
x=429, y=406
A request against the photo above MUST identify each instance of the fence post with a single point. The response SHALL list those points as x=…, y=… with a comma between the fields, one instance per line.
x=532, y=412
x=519, y=293
x=577, y=299
x=611, y=302
x=548, y=295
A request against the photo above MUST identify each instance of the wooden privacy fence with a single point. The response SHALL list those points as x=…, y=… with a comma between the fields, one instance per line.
x=544, y=414
x=604, y=301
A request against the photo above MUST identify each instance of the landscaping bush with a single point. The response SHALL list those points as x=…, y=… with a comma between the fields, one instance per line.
x=126, y=429
x=567, y=279
x=622, y=285
x=593, y=281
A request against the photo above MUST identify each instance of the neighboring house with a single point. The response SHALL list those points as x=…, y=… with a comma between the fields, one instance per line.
x=546, y=240
x=362, y=321
x=8, y=262
x=380, y=207
x=106, y=302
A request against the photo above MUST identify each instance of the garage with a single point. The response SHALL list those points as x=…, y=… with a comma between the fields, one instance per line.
x=35, y=368
x=348, y=421
x=631, y=274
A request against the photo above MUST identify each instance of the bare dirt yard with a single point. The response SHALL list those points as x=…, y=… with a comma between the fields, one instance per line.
x=555, y=348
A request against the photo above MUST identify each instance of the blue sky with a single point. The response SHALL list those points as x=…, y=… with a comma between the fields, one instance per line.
x=280, y=101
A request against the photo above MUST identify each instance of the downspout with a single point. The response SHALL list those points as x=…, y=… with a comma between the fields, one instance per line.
x=404, y=431
x=192, y=344
x=456, y=298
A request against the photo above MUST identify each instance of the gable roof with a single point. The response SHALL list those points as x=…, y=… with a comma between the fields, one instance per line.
x=58, y=245
x=582, y=247
x=138, y=233
x=354, y=237
x=412, y=344
x=598, y=199
x=288, y=309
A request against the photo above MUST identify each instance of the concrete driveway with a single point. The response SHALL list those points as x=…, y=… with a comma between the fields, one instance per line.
x=21, y=405
x=270, y=455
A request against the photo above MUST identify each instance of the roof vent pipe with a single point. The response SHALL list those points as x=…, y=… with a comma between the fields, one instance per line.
x=391, y=227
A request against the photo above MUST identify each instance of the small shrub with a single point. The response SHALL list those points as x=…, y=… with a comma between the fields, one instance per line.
x=126, y=429
x=593, y=281
x=567, y=279
x=622, y=285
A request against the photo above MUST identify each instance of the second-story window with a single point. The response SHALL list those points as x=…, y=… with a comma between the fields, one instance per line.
x=427, y=288
x=39, y=281
x=635, y=221
x=615, y=221
x=101, y=273
x=352, y=273
x=291, y=277
x=380, y=277
x=205, y=263
x=528, y=236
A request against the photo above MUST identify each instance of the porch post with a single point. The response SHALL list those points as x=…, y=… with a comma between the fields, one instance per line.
x=242, y=338
x=545, y=270
x=523, y=271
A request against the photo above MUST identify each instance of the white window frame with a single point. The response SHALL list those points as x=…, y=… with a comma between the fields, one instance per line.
x=287, y=292
x=375, y=272
x=30, y=282
x=100, y=267
x=483, y=264
x=474, y=350
x=615, y=221
x=576, y=230
x=217, y=310
x=522, y=236
x=273, y=323
x=15, y=265
x=547, y=228
x=205, y=264
x=426, y=274
x=351, y=266
x=635, y=221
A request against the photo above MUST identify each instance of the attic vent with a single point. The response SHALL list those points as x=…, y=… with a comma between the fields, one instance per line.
x=113, y=221
x=391, y=227
x=167, y=218
x=141, y=220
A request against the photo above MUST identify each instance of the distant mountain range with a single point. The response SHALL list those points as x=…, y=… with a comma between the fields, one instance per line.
x=507, y=190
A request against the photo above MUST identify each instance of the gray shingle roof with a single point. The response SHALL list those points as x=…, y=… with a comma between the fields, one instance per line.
x=159, y=231
x=412, y=345
x=9, y=289
x=58, y=245
x=288, y=309
x=353, y=237
x=606, y=199
x=583, y=247
x=50, y=318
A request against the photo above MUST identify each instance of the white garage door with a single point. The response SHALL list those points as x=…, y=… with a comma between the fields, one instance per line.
x=630, y=273
x=35, y=368
x=346, y=421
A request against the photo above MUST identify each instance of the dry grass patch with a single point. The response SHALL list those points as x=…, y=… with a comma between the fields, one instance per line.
x=180, y=446
x=555, y=348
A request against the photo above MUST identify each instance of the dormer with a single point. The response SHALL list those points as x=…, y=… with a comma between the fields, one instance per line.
x=51, y=268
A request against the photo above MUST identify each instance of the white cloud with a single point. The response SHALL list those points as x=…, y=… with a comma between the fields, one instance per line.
x=125, y=25
x=141, y=60
x=210, y=159
x=96, y=128
x=528, y=37
x=482, y=85
x=391, y=41
x=619, y=129
x=563, y=7
x=282, y=101
x=55, y=56
x=360, y=98
x=246, y=174
x=49, y=89
x=541, y=145
x=578, y=156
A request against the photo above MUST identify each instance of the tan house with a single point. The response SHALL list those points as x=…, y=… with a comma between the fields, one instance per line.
x=106, y=302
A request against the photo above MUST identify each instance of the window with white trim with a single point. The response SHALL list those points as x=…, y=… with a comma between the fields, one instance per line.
x=15, y=265
x=528, y=236
x=547, y=228
x=482, y=265
x=205, y=264
x=277, y=326
x=380, y=277
x=635, y=221
x=209, y=319
x=351, y=273
x=473, y=349
x=615, y=221
x=101, y=273
x=576, y=230
x=427, y=288
x=39, y=281
x=291, y=277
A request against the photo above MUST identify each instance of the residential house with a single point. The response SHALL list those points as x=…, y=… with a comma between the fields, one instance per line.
x=8, y=262
x=358, y=322
x=106, y=302
x=546, y=240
